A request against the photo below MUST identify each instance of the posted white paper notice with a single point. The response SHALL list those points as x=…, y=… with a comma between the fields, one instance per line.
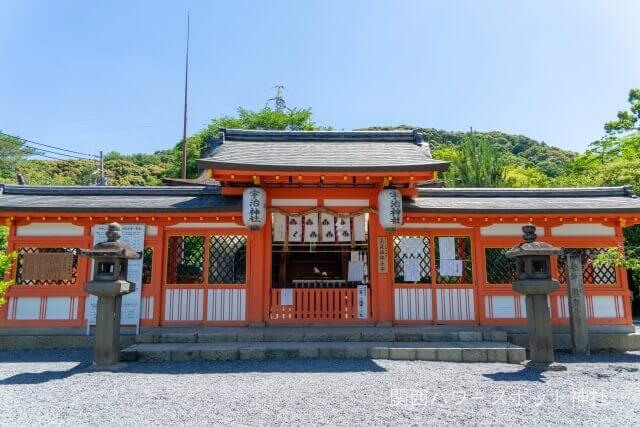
x=286, y=296
x=411, y=270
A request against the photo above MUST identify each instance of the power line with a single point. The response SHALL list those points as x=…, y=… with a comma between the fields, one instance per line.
x=39, y=150
x=49, y=146
x=48, y=157
x=39, y=153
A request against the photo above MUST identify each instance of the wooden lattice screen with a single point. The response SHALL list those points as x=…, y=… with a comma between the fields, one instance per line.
x=500, y=268
x=424, y=260
x=605, y=275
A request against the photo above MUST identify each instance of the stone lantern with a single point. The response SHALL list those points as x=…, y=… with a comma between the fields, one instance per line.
x=533, y=269
x=109, y=284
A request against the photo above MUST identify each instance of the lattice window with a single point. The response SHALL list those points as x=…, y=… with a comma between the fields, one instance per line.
x=185, y=259
x=590, y=274
x=462, y=253
x=147, y=265
x=424, y=259
x=20, y=266
x=500, y=269
x=228, y=259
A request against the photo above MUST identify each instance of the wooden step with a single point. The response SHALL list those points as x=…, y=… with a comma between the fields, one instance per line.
x=453, y=351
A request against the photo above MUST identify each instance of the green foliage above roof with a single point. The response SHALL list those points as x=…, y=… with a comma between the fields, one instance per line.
x=518, y=149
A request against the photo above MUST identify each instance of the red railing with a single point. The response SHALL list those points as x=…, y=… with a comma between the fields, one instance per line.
x=318, y=305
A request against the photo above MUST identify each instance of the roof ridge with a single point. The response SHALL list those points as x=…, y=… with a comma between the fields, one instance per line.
x=319, y=135
x=618, y=191
x=109, y=190
x=328, y=131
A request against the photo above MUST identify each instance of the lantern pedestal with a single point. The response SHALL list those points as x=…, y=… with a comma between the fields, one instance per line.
x=538, y=319
x=533, y=269
x=106, y=350
x=109, y=284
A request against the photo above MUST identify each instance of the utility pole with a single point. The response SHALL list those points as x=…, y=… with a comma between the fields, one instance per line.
x=183, y=173
x=101, y=182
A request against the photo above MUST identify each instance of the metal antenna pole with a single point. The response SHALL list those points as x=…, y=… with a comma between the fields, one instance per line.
x=183, y=172
x=101, y=169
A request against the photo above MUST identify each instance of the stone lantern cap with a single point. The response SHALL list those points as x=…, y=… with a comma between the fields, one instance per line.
x=530, y=247
x=113, y=247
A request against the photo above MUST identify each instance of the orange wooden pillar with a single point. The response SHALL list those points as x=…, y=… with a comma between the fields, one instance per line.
x=382, y=290
x=479, y=278
x=623, y=277
x=257, y=281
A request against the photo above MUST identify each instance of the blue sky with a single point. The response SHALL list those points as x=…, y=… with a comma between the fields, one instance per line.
x=109, y=75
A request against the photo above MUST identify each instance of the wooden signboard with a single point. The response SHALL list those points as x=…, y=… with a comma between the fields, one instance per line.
x=47, y=266
x=383, y=255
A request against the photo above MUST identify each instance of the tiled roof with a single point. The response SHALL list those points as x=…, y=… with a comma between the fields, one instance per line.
x=432, y=200
x=526, y=200
x=115, y=199
x=356, y=151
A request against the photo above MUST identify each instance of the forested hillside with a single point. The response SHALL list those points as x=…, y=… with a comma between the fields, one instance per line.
x=519, y=150
x=147, y=169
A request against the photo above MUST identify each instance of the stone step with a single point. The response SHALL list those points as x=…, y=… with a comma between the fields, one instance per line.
x=322, y=336
x=455, y=351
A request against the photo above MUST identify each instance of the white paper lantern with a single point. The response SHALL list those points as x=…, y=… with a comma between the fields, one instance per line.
x=390, y=209
x=254, y=207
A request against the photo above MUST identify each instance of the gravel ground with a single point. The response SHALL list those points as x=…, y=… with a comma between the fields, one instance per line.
x=56, y=387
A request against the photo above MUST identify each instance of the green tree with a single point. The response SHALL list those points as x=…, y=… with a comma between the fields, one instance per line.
x=12, y=153
x=478, y=164
x=517, y=149
x=522, y=176
x=266, y=118
x=4, y=233
x=627, y=120
x=606, y=148
x=7, y=261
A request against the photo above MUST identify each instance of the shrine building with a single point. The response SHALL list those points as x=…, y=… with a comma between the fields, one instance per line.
x=304, y=228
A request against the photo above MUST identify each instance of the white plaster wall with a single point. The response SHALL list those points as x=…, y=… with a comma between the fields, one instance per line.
x=27, y=308
x=58, y=308
x=511, y=229
x=50, y=229
x=504, y=306
x=183, y=304
x=206, y=225
x=607, y=306
x=346, y=202
x=432, y=225
x=412, y=304
x=151, y=230
x=455, y=304
x=583, y=230
x=500, y=306
x=226, y=305
x=294, y=202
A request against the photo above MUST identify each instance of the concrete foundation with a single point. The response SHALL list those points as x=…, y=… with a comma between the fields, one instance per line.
x=602, y=338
